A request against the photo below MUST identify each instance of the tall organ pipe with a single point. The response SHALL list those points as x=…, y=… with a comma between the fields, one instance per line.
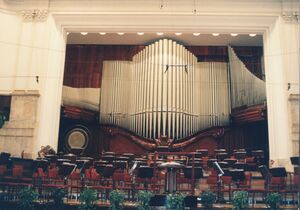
x=165, y=91
x=246, y=88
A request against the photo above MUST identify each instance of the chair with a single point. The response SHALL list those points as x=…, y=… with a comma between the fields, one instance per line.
x=120, y=165
x=278, y=178
x=3, y=170
x=183, y=183
x=145, y=179
x=123, y=181
x=226, y=186
x=240, y=156
x=212, y=182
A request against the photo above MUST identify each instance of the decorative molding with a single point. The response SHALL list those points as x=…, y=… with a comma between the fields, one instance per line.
x=34, y=15
x=25, y=93
x=291, y=17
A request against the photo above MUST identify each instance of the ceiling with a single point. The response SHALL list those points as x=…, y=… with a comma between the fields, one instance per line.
x=185, y=39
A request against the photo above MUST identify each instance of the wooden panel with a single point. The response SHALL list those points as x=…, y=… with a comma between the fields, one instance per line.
x=83, y=65
x=120, y=144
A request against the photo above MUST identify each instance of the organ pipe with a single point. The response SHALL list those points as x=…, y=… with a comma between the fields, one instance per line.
x=246, y=88
x=164, y=91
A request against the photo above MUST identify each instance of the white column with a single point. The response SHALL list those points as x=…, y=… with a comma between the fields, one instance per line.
x=50, y=84
x=281, y=47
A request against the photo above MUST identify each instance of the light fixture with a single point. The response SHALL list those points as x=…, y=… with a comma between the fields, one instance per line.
x=160, y=33
x=140, y=33
x=252, y=35
x=68, y=33
x=102, y=33
x=84, y=33
x=234, y=34
x=215, y=34
x=178, y=34
x=196, y=34
x=121, y=33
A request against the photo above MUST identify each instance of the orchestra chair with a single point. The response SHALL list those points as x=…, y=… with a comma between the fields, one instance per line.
x=123, y=181
x=75, y=184
x=226, y=186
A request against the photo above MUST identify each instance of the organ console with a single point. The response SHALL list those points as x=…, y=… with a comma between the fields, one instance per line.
x=165, y=91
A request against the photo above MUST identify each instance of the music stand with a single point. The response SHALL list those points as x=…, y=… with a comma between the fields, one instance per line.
x=198, y=172
x=51, y=158
x=223, y=164
x=122, y=165
x=145, y=172
x=100, y=167
x=66, y=170
x=278, y=172
x=108, y=171
x=237, y=175
x=70, y=157
x=132, y=169
x=59, y=162
x=220, y=173
x=77, y=151
x=295, y=160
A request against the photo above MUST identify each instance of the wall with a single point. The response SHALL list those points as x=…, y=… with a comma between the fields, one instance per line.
x=18, y=134
x=31, y=62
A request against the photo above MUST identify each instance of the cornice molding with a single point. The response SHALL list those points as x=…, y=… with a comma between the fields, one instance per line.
x=150, y=22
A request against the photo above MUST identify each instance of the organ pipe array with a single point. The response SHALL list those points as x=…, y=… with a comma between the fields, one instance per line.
x=164, y=91
x=246, y=88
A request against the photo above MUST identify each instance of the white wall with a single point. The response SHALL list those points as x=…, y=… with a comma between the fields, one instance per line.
x=9, y=50
x=29, y=49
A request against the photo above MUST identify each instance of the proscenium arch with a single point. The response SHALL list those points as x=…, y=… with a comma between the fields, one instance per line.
x=265, y=24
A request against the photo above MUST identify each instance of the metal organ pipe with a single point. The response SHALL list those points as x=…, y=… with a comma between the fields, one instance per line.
x=246, y=88
x=164, y=91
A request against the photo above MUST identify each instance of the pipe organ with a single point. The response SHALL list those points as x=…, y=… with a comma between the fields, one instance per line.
x=164, y=91
x=246, y=88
